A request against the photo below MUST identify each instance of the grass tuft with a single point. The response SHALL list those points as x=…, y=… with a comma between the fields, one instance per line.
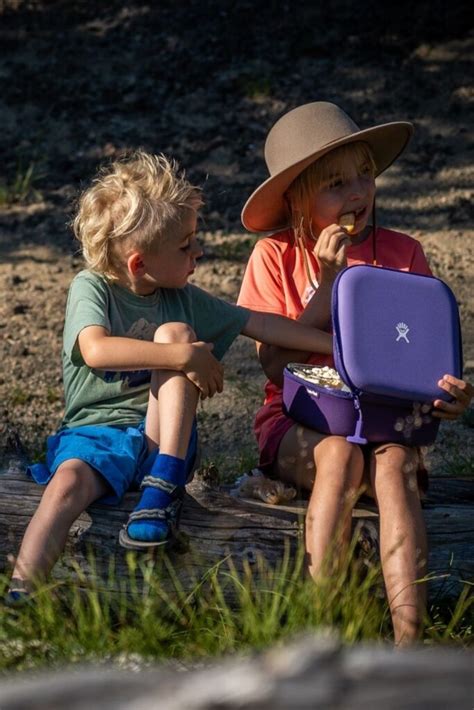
x=21, y=189
x=225, y=611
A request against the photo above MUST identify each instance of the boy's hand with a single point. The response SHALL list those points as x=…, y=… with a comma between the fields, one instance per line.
x=461, y=391
x=330, y=251
x=202, y=368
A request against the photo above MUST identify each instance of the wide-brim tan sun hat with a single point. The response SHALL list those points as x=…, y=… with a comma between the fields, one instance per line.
x=302, y=136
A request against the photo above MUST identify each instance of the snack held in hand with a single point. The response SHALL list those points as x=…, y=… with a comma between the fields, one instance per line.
x=347, y=221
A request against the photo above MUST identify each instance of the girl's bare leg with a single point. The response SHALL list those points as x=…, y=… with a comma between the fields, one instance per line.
x=332, y=469
x=403, y=545
x=72, y=489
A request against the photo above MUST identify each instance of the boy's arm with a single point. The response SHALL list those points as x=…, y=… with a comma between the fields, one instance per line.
x=274, y=359
x=297, y=339
x=102, y=351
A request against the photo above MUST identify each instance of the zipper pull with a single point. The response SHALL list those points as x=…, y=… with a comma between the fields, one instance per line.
x=357, y=437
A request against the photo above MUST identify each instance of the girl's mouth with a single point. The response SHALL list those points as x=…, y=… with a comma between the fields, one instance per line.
x=354, y=214
x=348, y=220
x=360, y=215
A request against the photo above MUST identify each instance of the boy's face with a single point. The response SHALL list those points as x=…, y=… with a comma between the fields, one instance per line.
x=348, y=190
x=174, y=260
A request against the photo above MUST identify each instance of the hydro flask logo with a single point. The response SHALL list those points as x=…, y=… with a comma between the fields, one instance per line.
x=402, y=330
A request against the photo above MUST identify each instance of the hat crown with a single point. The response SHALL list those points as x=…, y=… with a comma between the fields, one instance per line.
x=304, y=131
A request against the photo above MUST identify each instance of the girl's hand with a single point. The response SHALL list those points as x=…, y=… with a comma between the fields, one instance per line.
x=202, y=368
x=330, y=251
x=461, y=391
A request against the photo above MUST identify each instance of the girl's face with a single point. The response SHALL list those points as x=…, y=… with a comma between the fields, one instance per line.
x=346, y=188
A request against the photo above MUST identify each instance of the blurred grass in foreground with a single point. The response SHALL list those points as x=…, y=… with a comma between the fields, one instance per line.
x=225, y=612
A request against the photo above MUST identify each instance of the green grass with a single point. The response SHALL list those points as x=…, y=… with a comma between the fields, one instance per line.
x=21, y=188
x=254, y=86
x=223, y=468
x=458, y=464
x=53, y=394
x=224, y=612
x=19, y=396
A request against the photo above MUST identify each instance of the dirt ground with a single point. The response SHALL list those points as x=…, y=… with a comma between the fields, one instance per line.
x=204, y=82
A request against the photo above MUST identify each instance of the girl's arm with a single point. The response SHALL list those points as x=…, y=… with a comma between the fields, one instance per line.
x=462, y=392
x=330, y=251
x=102, y=351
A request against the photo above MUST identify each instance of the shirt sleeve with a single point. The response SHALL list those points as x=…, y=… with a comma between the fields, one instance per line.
x=87, y=304
x=262, y=288
x=216, y=321
x=419, y=263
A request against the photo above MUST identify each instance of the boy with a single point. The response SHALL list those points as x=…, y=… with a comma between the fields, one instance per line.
x=138, y=341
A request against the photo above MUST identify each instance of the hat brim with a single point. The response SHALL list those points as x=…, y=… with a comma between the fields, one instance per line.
x=265, y=209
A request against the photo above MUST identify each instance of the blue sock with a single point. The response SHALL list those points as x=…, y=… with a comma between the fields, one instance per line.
x=171, y=470
x=17, y=597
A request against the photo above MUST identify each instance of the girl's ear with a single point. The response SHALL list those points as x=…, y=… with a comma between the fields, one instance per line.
x=135, y=264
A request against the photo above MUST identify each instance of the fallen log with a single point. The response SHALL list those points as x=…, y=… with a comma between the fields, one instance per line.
x=309, y=674
x=214, y=526
x=217, y=526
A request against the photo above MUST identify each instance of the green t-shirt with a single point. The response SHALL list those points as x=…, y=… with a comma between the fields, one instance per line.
x=118, y=398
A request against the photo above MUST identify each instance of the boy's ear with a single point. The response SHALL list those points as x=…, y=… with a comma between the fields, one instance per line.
x=135, y=264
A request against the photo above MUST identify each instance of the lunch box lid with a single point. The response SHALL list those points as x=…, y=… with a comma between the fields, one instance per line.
x=395, y=333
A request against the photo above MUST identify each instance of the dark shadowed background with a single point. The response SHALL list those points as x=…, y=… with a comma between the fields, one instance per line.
x=203, y=82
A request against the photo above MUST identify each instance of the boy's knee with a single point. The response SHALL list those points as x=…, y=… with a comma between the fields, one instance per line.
x=65, y=485
x=70, y=487
x=175, y=332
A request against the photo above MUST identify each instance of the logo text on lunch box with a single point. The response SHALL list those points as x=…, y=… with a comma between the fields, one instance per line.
x=402, y=330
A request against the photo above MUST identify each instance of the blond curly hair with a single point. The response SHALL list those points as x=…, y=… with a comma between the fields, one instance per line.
x=134, y=203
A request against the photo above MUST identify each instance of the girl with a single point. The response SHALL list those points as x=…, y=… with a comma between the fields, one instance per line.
x=322, y=175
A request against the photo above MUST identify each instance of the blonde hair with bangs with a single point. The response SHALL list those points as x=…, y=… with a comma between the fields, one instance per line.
x=134, y=202
x=300, y=194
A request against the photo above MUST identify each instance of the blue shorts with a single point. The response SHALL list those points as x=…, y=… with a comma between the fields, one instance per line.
x=120, y=455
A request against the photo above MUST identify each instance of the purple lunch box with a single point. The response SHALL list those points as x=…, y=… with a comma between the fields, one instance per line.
x=395, y=335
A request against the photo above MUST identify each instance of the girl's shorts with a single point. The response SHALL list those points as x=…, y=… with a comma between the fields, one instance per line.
x=273, y=437
x=120, y=455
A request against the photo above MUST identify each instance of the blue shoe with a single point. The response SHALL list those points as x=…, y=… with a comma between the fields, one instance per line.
x=168, y=516
x=16, y=598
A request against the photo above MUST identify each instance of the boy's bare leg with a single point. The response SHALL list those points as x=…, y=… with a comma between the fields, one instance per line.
x=333, y=469
x=403, y=545
x=72, y=489
x=170, y=416
x=173, y=399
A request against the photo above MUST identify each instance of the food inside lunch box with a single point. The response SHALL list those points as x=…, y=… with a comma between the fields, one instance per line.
x=323, y=376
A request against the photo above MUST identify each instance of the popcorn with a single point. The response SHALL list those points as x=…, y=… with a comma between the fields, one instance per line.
x=347, y=221
x=323, y=376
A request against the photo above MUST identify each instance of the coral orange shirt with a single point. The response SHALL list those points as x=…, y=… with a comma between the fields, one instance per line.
x=275, y=281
